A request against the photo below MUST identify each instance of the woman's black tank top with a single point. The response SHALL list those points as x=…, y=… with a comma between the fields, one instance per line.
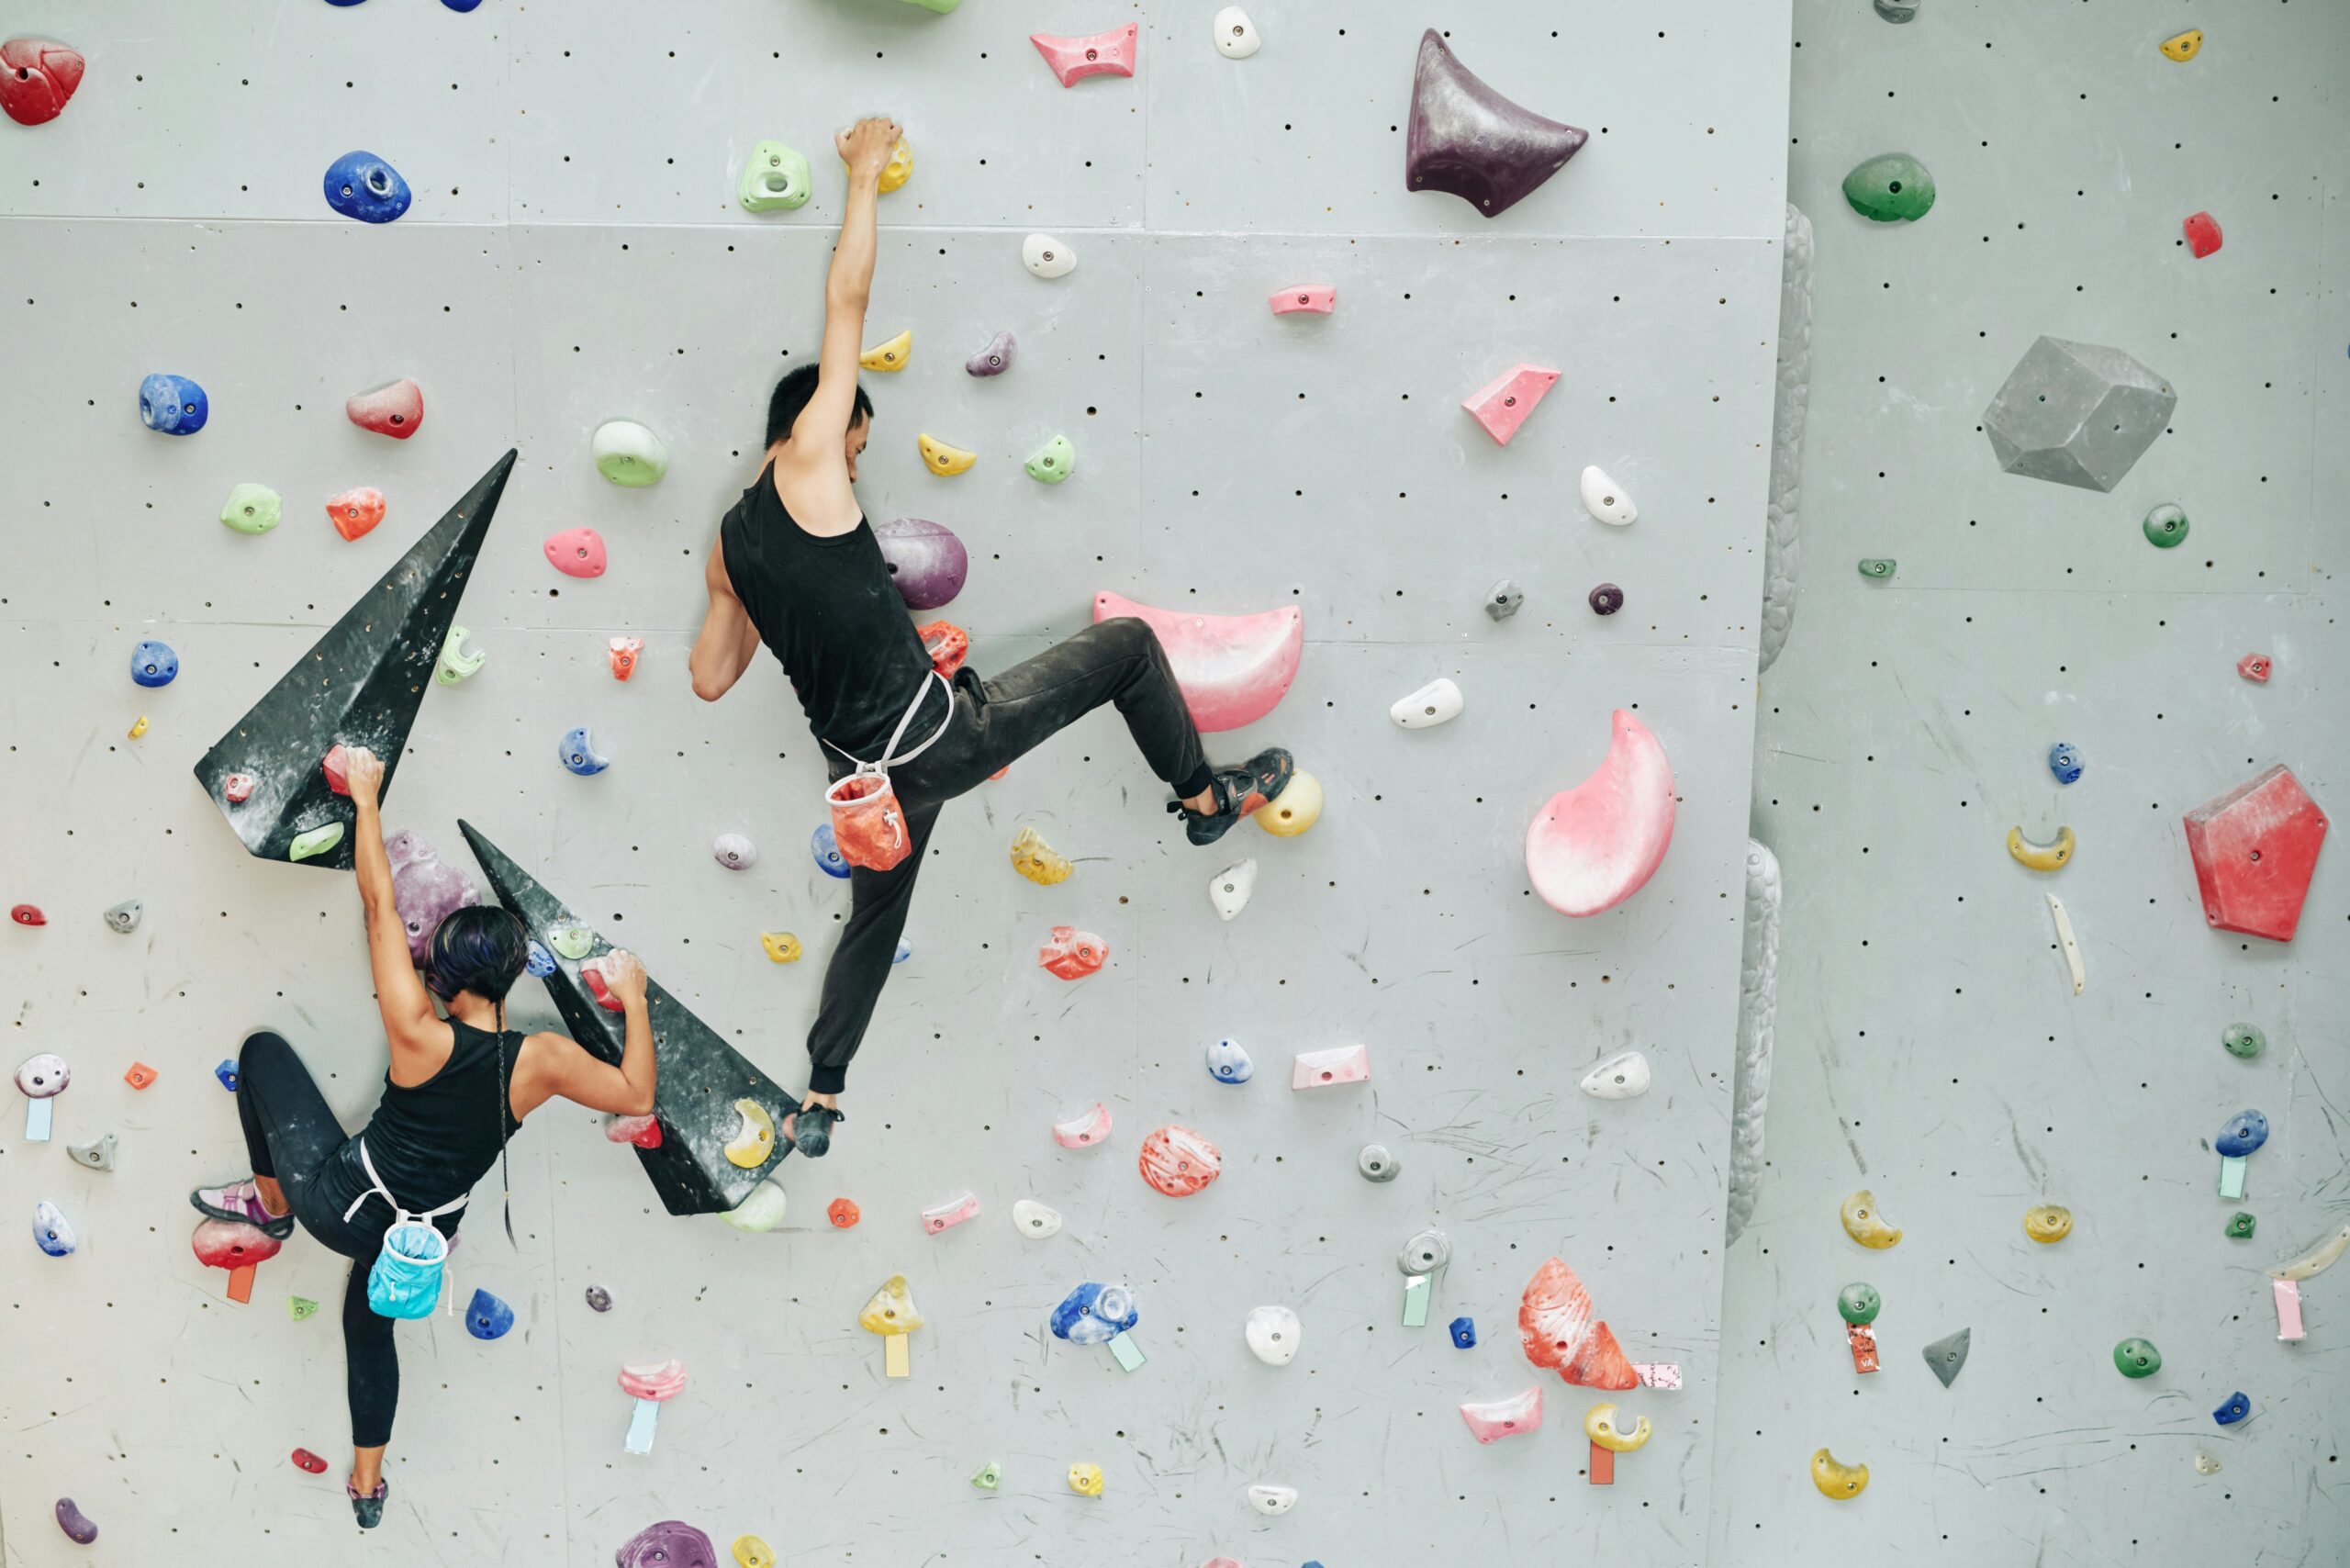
x=431, y=1143
x=825, y=608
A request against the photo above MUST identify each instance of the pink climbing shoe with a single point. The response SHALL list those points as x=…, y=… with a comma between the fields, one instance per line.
x=240, y=1202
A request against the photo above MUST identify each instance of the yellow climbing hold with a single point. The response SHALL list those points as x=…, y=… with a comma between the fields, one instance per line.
x=1294, y=810
x=2040, y=856
x=782, y=947
x=2048, y=1222
x=1864, y=1225
x=899, y=167
x=140, y=728
x=753, y=1553
x=1085, y=1480
x=1034, y=859
x=891, y=1310
x=941, y=458
x=1603, y=1426
x=891, y=355
x=2184, y=45
x=750, y=1147
x=1841, y=1481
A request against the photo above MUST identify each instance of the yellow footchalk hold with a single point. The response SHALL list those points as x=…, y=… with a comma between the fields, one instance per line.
x=753, y=1553
x=1085, y=1480
x=140, y=728
x=1841, y=1481
x=899, y=167
x=1294, y=810
x=891, y=355
x=941, y=458
x=782, y=947
x=891, y=1309
x=1602, y=1427
x=750, y=1147
x=2040, y=856
x=2184, y=45
x=1034, y=859
x=2048, y=1222
x=1864, y=1225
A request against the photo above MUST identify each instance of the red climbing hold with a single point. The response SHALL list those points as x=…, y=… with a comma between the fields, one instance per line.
x=338, y=758
x=643, y=1131
x=2254, y=667
x=309, y=1461
x=842, y=1213
x=2255, y=849
x=236, y=789
x=1073, y=59
x=946, y=643
x=1554, y=1322
x=395, y=410
x=2202, y=234
x=28, y=915
x=39, y=77
x=354, y=513
x=592, y=971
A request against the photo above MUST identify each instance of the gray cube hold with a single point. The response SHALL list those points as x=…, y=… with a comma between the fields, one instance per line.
x=2076, y=414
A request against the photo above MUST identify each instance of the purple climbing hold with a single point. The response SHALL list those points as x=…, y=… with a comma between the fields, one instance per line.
x=75, y=1523
x=927, y=564
x=994, y=359
x=672, y=1544
x=425, y=889
x=1468, y=139
x=1607, y=599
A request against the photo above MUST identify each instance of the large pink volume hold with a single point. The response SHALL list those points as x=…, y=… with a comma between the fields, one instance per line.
x=1233, y=669
x=1596, y=844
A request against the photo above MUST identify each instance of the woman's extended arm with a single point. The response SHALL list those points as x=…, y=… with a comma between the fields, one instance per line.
x=409, y=1023
x=552, y=1065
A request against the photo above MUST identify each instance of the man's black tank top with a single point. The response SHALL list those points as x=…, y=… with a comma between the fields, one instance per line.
x=825, y=608
x=431, y=1143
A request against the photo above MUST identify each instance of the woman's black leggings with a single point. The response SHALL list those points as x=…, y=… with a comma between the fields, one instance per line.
x=292, y=1135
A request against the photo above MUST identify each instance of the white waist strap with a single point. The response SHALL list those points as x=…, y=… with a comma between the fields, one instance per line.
x=399, y=1214
x=891, y=755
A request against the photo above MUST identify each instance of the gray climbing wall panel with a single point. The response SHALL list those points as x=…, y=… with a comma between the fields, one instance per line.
x=575, y=255
x=1930, y=1046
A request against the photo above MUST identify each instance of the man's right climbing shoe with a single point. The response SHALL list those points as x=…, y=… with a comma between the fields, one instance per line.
x=1238, y=791
x=239, y=1203
x=811, y=1129
x=367, y=1509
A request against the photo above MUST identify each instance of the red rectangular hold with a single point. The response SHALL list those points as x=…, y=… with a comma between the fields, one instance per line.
x=1863, y=1340
x=2254, y=850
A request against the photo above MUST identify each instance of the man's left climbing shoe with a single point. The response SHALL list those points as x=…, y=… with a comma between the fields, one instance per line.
x=367, y=1509
x=1238, y=791
x=811, y=1129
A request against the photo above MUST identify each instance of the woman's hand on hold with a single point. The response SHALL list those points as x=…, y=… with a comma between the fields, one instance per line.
x=625, y=976
x=866, y=147
x=363, y=770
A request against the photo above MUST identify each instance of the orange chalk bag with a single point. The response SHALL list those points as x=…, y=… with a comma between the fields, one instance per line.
x=868, y=825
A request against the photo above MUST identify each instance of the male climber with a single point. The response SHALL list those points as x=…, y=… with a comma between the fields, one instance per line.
x=797, y=568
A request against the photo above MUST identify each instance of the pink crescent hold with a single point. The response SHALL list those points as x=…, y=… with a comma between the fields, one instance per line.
x=1083, y=1131
x=577, y=553
x=1233, y=669
x=654, y=1379
x=1073, y=59
x=1596, y=844
x=1491, y=1419
x=1319, y=298
x=1502, y=406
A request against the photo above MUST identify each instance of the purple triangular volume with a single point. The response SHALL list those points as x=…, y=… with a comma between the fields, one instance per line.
x=359, y=685
x=700, y=1075
x=1466, y=138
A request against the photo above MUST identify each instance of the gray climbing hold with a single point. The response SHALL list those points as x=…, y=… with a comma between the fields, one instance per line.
x=1947, y=1354
x=1758, y=1003
x=124, y=916
x=1376, y=1164
x=1503, y=600
x=2076, y=414
x=1897, y=10
x=1425, y=1253
x=1780, y=553
x=599, y=1299
x=97, y=1155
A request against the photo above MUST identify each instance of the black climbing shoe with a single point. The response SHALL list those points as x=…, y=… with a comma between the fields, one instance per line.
x=368, y=1509
x=811, y=1129
x=1238, y=791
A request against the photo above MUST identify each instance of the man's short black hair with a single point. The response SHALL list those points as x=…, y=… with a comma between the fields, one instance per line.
x=792, y=395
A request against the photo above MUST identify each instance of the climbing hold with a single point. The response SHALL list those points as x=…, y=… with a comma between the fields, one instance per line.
x=599, y=1299
x=425, y=889
x=138, y=727
x=305, y=1460
x=1033, y=1220
x=2315, y=1260
x=628, y=454
x=355, y=512
x=139, y=1075
x=1295, y=809
x=51, y=1232
x=1376, y=1164
x=226, y=1073
x=576, y=553
x=1897, y=10
x=538, y=962
x=2245, y=1132
x=2041, y=856
x=1464, y=1333
x=1877, y=567
x=1267, y=1499
x=2166, y=525
x=251, y=509
x=624, y=653
x=2137, y=1357
x=2202, y=232
x=949, y=646
x=487, y=1318
x=2076, y=414
x=572, y=940
x=2048, y=1222
x=1228, y=1062
x=334, y=766
x=2234, y=1408
x=1605, y=500
x=941, y=459
x=311, y=842
x=2205, y=1464
x=1094, y=1314
x=1492, y=1420
x=362, y=185
x=578, y=755
x=775, y=178
x=927, y=562
x=153, y=664
x=1321, y=1069
x=1235, y=34
x=1892, y=187
x=753, y=1144
x=2244, y=1040
x=891, y=355
x=1424, y=1253
x=237, y=787
x=1085, y=1480
x=1596, y=844
x=1046, y=257
x=28, y=915
x=1232, y=668
x=1052, y=461
x=97, y=1154
x=1624, y=1076
x=829, y=859
x=2241, y=1226
x=41, y=1079
x=996, y=358
x=1502, y=403
x=1503, y=600
x=645, y=1131
x=750, y=1551
x=1178, y=1161
x=37, y=79
x=782, y=947
x=905, y=950
x=1946, y=1355
x=2069, y=943
x=1071, y=954
x=898, y=169
x=761, y=1210
x=1604, y=1428
x=672, y=1544
x=843, y=1212
x=1036, y=860
x=952, y=1212
x=2064, y=762
x=989, y=1476
x=1437, y=703
x=1466, y=138
x=71, y=1519
x=395, y=409
x=1841, y=1481
x=1084, y=1130
x=1858, y=1303
x=2183, y=45
x=1229, y=889
x=1865, y=1224
x=1274, y=1334
x=2255, y=848
x=1315, y=299
x=734, y=851
x=1605, y=599
x=1073, y=59
x=2254, y=667
x=169, y=405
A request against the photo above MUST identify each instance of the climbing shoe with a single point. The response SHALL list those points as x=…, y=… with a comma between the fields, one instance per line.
x=367, y=1508
x=811, y=1129
x=239, y=1203
x=1238, y=791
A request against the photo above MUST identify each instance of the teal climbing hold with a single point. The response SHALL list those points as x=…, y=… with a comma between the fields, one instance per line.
x=1878, y=566
x=1052, y=461
x=1893, y=187
x=251, y=509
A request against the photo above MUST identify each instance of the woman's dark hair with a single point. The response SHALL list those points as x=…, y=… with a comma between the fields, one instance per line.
x=792, y=395
x=479, y=950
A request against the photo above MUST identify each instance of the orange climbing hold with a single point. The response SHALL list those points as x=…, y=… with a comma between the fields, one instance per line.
x=1555, y=1324
x=946, y=643
x=1073, y=953
x=842, y=1213
x=355, y=512
x=140, y=1076
x=625, y=652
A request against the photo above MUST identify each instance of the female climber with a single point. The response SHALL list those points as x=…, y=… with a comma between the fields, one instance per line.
x=456, y=1089
x=796, y=567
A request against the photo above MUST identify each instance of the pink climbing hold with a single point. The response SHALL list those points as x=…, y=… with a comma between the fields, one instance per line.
x=577, y=553
x=1103, y=54
x=1318, y=298
x=236, y=789
x=395, y=409
x=304, y=1459
x=1502, y=406
x=1232, y=668
x=1338, y=1065
x=1492, y=1420
x=36, y=76
x=1596, y=844
x=1073, y=953
x=1555, y=1325
x=1083, y=1131
x=2202, y=234
x=2254, y=667
x=656, y=1381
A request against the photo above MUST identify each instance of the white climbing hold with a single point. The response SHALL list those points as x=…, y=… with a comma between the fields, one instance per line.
x=1236, y=35
x=1045, y=257
x=628, y=453
x=2071, y=945
x=1032, y=1218
x=1229, y=889
x=1083, y=1130
x=1603, y=498
x=1228, y=1062
x=1436, y=703
x=1324, y=1070
x=1274, y=1334
x=1624, y=1076
x=1270, y=1500
x=734, y=851
x=761, y=1210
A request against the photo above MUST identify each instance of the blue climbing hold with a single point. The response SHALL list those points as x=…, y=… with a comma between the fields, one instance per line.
x=172, y=405
x=2238, y=1406
x=539, y=962
x=1094, y=1314
x=579, y=756
x=1464, y=1333
x=487, y=1318
x=829, y=858
x=226, y=1073
x=461, y=5
x=905, y=950
x=155, y=663
x=1230, y=1063
x=362, y=185
x=2241, y=1135
x=2064, y=762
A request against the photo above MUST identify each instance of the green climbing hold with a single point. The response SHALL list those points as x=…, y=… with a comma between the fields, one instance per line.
x=990, y=1475
x=2245, y=1040
x=776, y=179
x=1859, y=1303
x=457, y=662
x=2137, y=1357
x=1876, y=566
x=316, y=842
x=1054, y=461
x=941, y=6
x=1893, y=188
x=2166, y=525
x=2239, y=1226
x=574, y=941
x=298, y=1307
x=251, y=509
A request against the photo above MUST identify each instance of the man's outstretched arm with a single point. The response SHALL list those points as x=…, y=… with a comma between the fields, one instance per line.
x=864, y=149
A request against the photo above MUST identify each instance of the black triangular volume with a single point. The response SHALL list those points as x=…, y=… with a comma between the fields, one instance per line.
x=701, y=1075
x=359, y=685
x=1466, y=138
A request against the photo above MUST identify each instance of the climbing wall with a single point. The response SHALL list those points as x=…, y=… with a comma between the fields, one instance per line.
x=1929, y=1045
x=575, y=254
